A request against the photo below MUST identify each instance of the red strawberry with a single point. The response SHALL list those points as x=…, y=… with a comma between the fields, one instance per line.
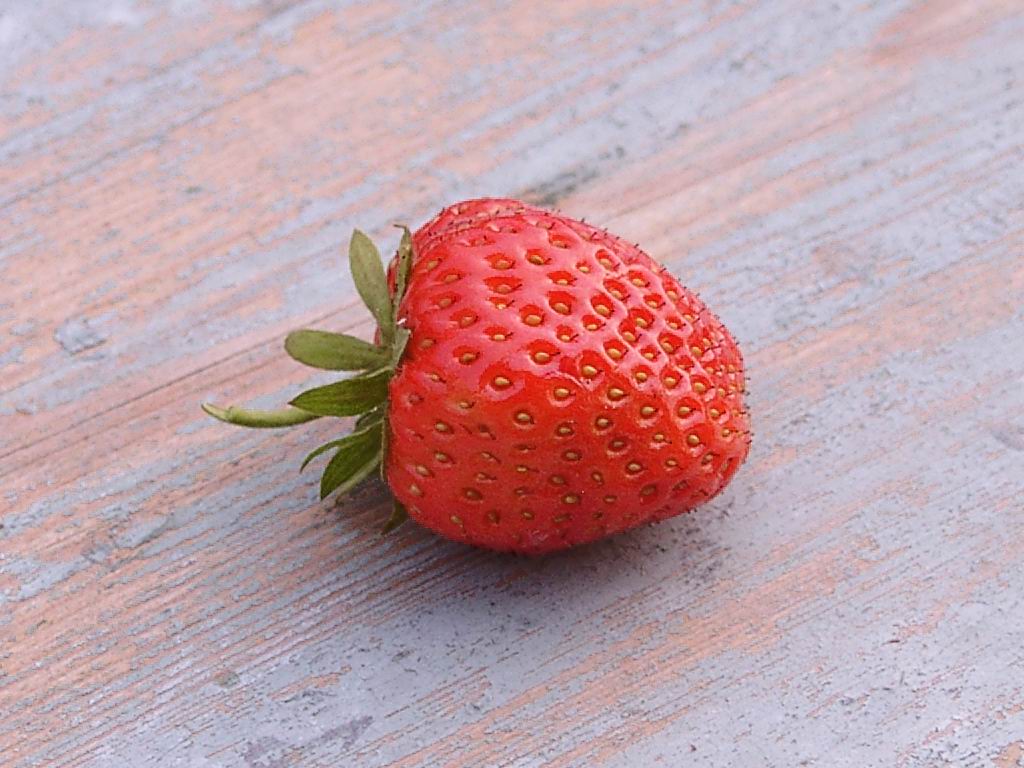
x=540, y=382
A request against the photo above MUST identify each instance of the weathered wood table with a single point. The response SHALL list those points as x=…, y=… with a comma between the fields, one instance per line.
x=843, y=182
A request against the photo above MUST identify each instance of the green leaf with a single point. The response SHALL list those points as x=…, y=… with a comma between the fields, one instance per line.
x=403, y=267
x=356, y=458
x=334, y=351
x=384, y=441
x=350, y=397
x=398, y=516
x=360, y=474
x=245, y=417
x=371, y=282
x=321, y=449
x=402, y=335
x=373, y=416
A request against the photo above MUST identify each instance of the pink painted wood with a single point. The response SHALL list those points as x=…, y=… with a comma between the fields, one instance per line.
x=843, y=183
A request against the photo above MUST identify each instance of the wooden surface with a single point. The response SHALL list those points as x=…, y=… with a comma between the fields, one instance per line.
x=843, y=182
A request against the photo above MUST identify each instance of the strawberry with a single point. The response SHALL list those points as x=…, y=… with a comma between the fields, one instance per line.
x=535, y=383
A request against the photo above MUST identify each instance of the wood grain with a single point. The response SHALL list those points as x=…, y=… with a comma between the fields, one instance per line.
x=842, y=182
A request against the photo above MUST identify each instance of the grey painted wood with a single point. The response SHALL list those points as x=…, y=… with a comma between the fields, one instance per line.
x=842, y=183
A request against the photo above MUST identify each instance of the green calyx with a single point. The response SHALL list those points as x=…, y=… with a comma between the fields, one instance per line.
x=363, y=395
